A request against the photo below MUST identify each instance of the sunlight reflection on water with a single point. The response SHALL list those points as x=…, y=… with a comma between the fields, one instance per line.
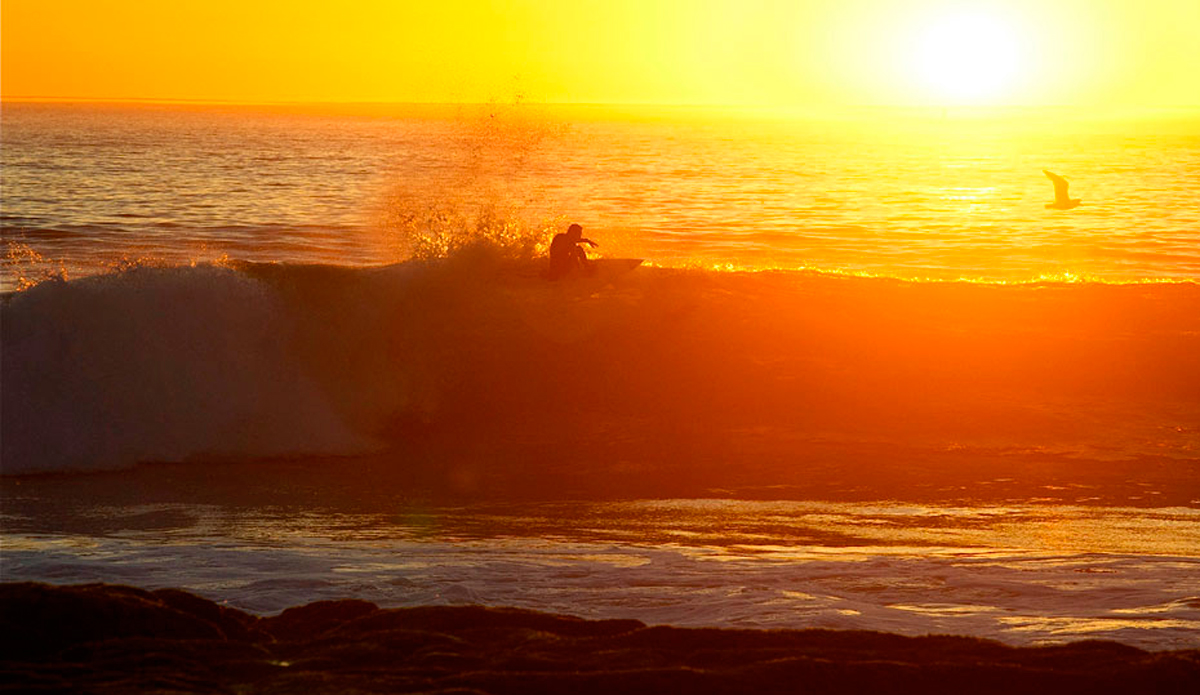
x=918, y=198
x=905, y=568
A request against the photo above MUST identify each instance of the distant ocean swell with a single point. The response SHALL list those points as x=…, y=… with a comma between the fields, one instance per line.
x=248, y=361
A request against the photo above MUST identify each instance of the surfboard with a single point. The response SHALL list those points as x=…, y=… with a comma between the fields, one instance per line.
x=599, y=269
x=608, y=268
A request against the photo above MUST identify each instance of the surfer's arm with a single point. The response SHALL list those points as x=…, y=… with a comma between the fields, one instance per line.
x=589, y=242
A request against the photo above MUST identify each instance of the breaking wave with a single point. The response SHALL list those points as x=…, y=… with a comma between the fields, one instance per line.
x=248, y=360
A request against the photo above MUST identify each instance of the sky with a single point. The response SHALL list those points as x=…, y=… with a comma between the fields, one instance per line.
x=813, y=53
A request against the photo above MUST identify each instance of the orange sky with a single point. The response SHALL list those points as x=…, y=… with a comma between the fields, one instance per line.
x=1128, y=53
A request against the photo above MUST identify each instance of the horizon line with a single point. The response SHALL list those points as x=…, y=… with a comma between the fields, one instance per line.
x=1099, y=110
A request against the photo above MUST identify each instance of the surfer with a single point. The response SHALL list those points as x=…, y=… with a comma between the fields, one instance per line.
x=566, y=256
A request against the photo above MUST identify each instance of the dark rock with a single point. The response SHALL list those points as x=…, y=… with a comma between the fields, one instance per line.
x=456, y=619
x=234, y=624
x=98, y=638
x=309, y=621
x=37, y=621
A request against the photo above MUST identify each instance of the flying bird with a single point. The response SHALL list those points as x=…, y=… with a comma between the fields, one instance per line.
x=1062, y=201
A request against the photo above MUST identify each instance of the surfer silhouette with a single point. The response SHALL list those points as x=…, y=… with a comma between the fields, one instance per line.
x=566, y=256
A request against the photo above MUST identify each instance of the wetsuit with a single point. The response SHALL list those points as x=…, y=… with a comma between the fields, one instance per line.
x=565, y=256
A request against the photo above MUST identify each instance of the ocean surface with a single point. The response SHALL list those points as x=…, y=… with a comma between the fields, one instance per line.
x=863, y=378
x=899, y=193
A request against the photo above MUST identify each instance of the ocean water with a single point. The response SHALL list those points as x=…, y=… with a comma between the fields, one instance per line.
x=863, y=379
x=1024, y=574
x=905, y=194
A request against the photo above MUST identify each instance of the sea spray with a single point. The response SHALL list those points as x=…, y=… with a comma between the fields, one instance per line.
x=487, y=186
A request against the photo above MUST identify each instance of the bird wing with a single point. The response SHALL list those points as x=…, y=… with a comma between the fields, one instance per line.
x=1060, y=186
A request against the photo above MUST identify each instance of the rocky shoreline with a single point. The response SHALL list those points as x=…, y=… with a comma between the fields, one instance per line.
x=100, y=638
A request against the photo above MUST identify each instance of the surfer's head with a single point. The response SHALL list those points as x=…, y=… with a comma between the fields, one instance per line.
x=575, y=231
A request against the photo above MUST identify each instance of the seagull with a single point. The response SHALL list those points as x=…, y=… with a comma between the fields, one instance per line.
x=1062, y=201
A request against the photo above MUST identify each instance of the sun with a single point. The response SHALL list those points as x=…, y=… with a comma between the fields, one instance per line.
x=967, y=57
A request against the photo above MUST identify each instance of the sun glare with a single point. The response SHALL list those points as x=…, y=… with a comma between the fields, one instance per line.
x=967, y=57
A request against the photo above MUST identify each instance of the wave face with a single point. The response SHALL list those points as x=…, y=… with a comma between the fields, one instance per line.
x=156, y=365
x=266, y=360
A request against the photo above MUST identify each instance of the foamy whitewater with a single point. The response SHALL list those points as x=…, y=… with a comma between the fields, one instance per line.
x=274, y=356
